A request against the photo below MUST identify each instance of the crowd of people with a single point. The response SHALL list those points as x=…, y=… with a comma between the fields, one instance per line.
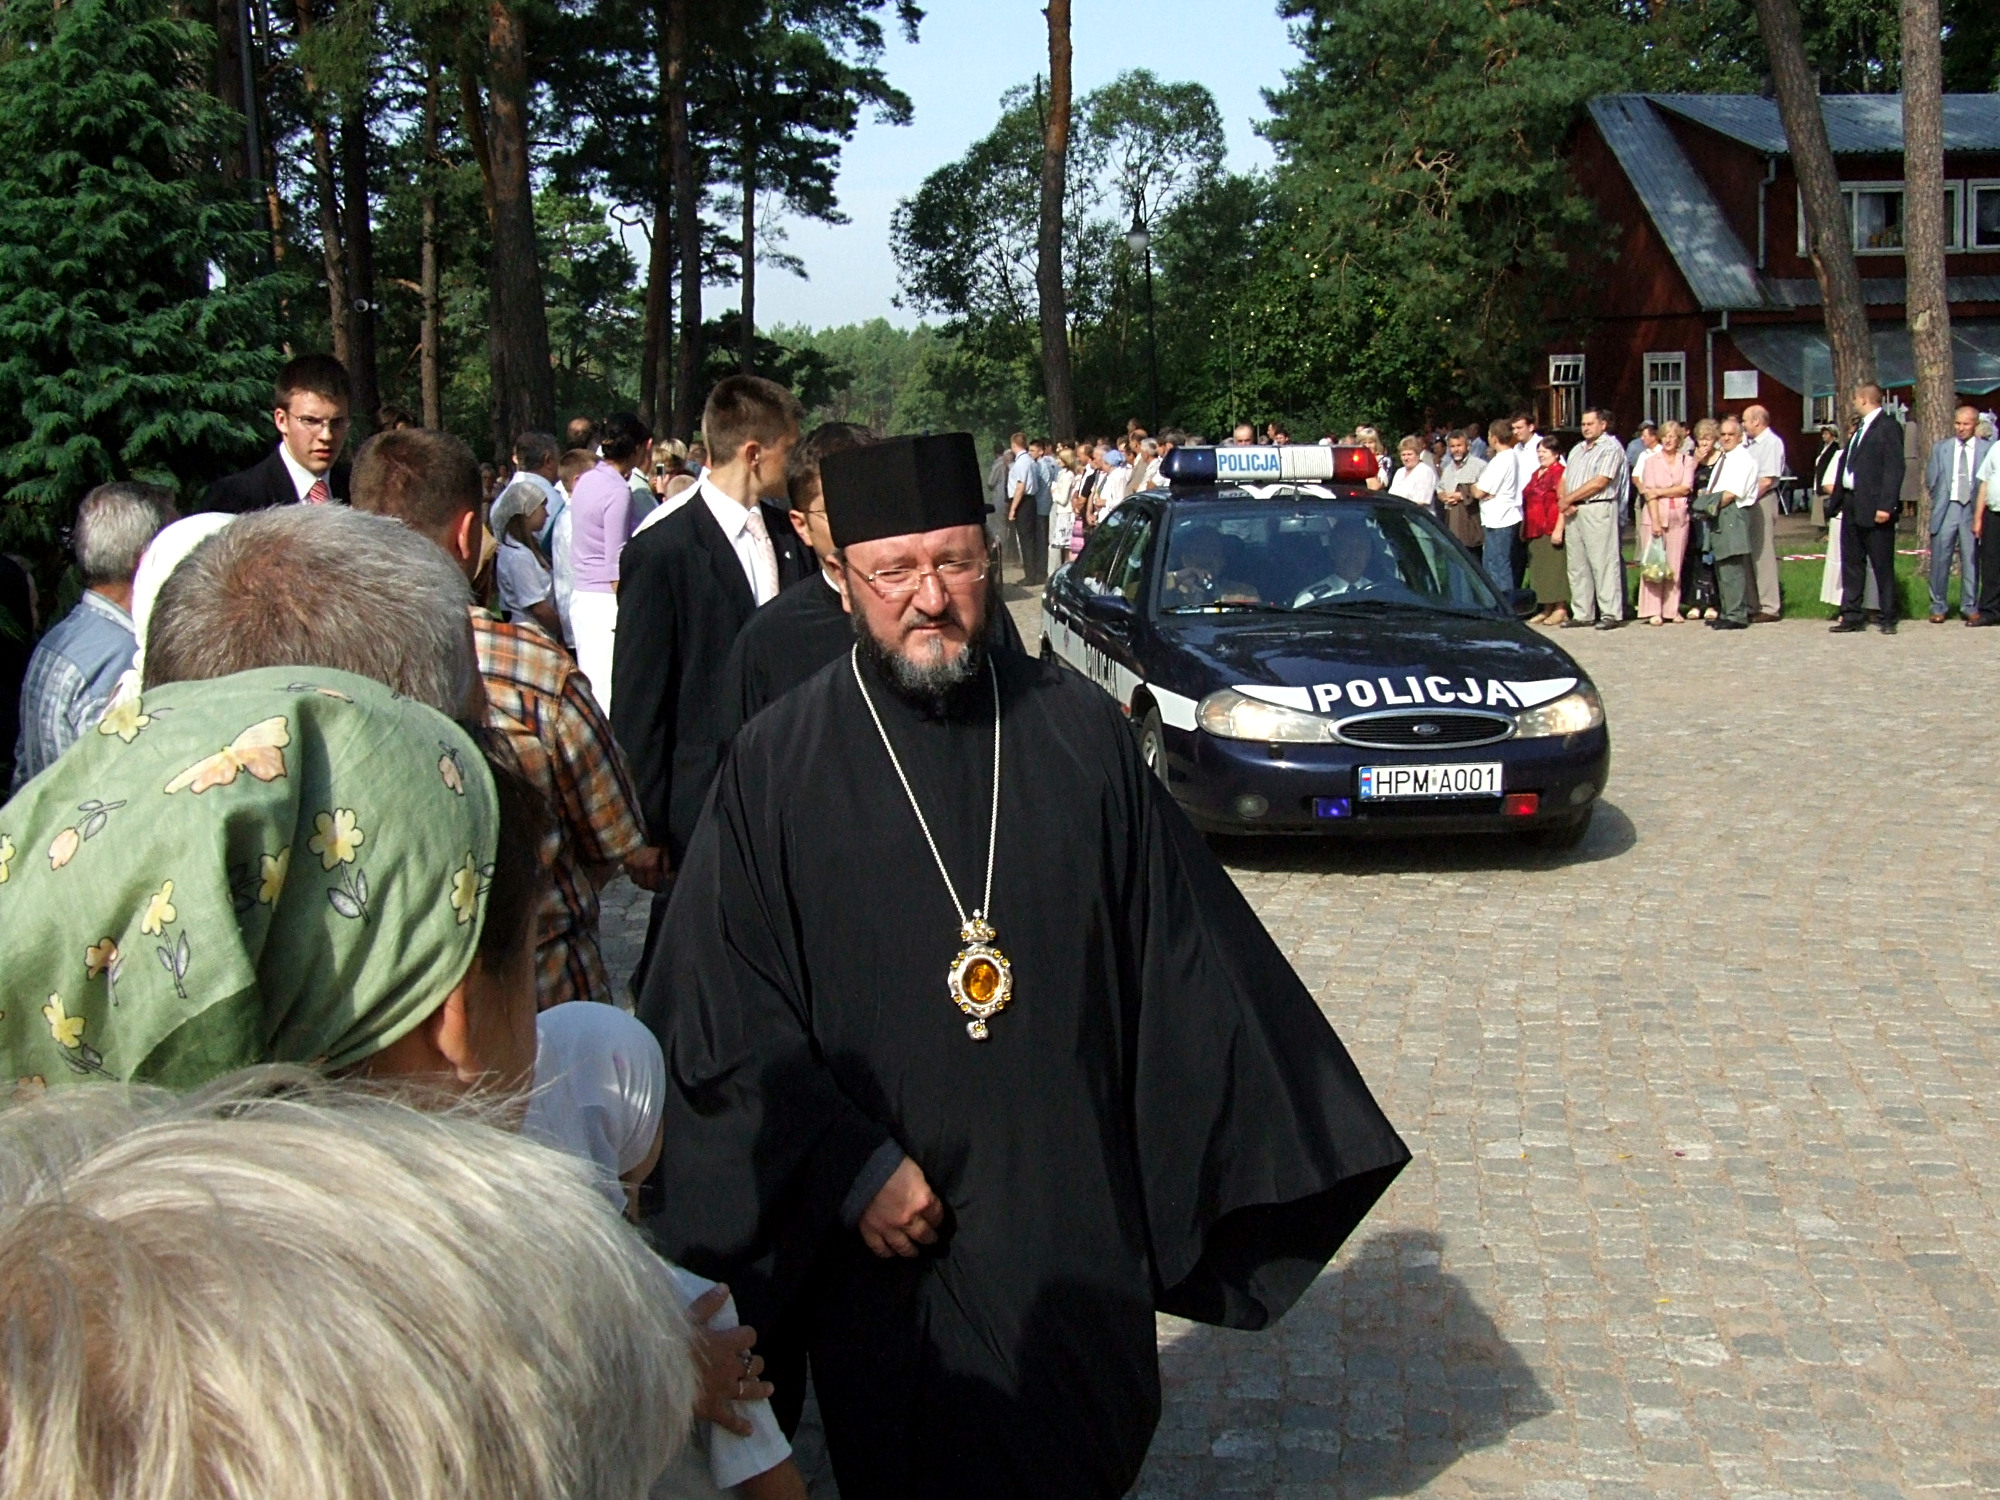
x=1701, y=502
x=335, y=1166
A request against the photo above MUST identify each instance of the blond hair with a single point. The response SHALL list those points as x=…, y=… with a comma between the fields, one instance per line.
x=282, y=1287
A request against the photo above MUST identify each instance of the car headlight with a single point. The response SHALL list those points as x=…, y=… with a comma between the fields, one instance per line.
x=1230, y=715
x=1570, y=714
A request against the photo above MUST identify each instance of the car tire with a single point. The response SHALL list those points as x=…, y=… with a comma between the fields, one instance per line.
x=1564, y=835
x=1153, y=744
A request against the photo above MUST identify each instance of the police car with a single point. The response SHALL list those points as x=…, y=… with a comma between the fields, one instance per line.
x=1299, y=653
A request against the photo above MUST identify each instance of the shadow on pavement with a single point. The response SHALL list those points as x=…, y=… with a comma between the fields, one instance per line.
x=1611, y=835
x=1390, y=1373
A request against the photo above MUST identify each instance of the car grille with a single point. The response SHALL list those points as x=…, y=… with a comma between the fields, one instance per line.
x=1424, y=731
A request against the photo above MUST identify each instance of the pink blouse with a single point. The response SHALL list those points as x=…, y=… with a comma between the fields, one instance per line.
x=1663, y=470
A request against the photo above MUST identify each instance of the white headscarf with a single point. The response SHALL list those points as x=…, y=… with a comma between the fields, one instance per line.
x=162, y=555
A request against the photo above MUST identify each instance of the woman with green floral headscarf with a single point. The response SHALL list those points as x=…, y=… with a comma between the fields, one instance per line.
x=286, y=865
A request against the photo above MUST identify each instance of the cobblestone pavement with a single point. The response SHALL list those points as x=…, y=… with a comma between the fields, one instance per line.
x=1707, y=1150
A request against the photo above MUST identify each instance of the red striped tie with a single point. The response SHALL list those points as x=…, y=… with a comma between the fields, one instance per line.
x=319, y=494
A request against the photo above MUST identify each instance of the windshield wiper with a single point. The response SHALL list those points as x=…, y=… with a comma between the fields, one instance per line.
x=1338, y=605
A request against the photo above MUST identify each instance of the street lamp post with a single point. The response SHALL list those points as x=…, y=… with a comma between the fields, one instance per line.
x=1140, y=243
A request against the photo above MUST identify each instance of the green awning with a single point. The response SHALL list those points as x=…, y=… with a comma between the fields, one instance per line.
x=1797, y=356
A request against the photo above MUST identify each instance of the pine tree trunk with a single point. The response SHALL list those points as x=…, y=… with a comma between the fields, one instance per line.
x=746, y=353
x=1925, y=304
x=427, y=337
x=332, y=256
x=687, y=224
x=523, y=379
x=362, y=375
x=1829, y=233
x=227, y=76
x=656, y=339
x=1054, y=320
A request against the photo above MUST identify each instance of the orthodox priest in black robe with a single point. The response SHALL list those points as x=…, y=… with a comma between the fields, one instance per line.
x=806, y=626
x=972, y=1129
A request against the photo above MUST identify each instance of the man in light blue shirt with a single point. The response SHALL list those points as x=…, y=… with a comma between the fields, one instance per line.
x=76, y=668
x=1028, y=511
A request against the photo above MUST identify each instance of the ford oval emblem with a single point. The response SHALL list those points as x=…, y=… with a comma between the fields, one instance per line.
x=1427, y=731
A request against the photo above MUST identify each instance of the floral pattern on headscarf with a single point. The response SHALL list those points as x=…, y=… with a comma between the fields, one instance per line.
x=170, y=935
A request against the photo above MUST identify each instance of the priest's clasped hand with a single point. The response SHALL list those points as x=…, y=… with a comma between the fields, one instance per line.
x=903, y=1215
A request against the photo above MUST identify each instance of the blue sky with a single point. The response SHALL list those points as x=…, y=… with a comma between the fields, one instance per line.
x=969, y=53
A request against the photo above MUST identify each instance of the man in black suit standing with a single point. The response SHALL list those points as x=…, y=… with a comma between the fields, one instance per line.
x=686, y=586
x=1871, y=497
x=310, y=413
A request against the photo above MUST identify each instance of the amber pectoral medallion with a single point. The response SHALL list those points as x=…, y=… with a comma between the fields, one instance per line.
x=981, y=979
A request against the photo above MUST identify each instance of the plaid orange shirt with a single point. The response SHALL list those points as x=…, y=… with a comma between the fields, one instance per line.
x=536, y=697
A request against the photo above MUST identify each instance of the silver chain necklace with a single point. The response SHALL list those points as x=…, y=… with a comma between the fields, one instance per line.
x=981, y=980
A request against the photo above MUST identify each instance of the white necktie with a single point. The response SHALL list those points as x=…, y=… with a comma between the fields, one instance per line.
x=763, y=557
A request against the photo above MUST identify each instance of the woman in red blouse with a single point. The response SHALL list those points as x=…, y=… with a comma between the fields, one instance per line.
x=1541, y=524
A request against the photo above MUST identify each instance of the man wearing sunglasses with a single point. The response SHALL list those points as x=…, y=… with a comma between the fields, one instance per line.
x=309, y=409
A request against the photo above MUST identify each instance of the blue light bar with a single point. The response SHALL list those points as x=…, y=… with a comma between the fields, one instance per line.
x=1294, y=464
x=1333, y=807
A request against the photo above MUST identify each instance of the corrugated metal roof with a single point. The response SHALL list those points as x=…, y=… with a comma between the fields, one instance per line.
x=1689, y=219
x=1856, y=124
x=1883, y=291
x=1797, y=357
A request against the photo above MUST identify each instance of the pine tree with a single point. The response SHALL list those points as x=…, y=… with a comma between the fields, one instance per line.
x=137, y=324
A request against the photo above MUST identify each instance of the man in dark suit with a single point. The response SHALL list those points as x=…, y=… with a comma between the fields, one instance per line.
x=310, y=411
x=686, y=586
x=1871, y=495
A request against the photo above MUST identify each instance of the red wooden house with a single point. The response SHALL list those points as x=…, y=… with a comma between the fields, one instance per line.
x=1710, y=303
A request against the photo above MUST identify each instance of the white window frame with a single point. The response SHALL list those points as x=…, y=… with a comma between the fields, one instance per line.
x=1656, y=412
x=1956, y=222
x=1973, y=187
x=1566, y=392
x=1819, y=413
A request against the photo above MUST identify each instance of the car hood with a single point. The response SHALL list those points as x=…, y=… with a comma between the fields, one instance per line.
x=1344, y=664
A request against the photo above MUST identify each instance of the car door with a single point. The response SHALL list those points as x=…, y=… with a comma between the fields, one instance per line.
x=1064, y=601
x=1113, y=636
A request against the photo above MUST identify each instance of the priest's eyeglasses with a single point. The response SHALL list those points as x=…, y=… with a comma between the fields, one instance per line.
x=953, y=572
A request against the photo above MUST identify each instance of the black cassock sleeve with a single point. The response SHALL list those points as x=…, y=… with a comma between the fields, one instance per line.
x=1260, y=1147
x=726, y=997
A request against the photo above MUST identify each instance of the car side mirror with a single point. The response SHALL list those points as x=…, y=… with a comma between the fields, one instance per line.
x=1108, y=609
x=1525, y=603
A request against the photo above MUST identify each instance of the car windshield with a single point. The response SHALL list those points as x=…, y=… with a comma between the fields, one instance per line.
x=1309, y=555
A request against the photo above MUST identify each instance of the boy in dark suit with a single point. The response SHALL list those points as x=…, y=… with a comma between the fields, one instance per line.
x=1871, y=496
x=310, y=411
x=686, y=586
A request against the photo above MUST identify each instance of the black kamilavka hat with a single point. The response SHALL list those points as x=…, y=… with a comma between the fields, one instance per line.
x=902, y=486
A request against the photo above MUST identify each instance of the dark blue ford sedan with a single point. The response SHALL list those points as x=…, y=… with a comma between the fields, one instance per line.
x=1301, y=654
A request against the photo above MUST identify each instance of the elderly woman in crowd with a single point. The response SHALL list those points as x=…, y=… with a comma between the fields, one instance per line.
x=1414, y=480
x=277, y=1287
x=285, y=865
x=1542, y=526
x=292, y=864
x=1665, y=481
x=1698, y=594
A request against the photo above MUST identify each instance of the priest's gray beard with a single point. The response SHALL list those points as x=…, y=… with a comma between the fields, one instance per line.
x=936, y=688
